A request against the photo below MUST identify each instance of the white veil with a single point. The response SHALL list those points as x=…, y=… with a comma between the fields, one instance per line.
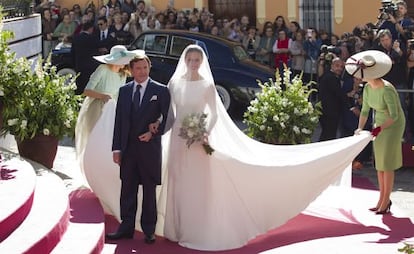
x=180, y=73
x=204, y=69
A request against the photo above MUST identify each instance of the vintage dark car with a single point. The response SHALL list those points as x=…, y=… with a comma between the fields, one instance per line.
x=62, y=59
x=235, y=74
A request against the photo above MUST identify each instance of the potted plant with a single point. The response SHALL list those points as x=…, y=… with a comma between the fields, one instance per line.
x=282, y=114
x=38, y=104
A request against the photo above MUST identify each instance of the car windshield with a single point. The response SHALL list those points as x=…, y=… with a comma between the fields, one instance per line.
x=240, y=53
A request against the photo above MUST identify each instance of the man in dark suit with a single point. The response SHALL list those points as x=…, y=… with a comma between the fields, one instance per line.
x=141, y=103
x=333, y=100
x=106, y=39
x=83, y=49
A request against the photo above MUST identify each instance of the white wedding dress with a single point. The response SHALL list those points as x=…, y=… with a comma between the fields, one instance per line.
x=242, y=190
x=245, y=188
x=221, y=201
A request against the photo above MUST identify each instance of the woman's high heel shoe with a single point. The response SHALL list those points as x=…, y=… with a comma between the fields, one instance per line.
x=386, y=210
x=373, y=209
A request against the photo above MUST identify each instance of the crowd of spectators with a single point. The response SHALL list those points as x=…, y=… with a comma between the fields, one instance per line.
x=276, y=44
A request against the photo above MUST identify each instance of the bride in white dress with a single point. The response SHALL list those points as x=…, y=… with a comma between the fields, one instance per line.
x=245, y=188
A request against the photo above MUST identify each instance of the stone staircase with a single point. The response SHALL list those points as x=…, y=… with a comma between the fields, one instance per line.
x=38, y=215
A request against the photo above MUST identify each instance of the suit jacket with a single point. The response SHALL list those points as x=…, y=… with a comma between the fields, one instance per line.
x=83, y=49
x=155, y=102
x=333, y=99
x=108, y=42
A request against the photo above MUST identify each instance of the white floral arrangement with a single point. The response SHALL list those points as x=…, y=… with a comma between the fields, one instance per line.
x=282, y=113
x=35, y=101
x=193, y=129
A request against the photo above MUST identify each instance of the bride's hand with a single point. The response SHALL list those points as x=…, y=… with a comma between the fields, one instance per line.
x=153, y=127
x=205, y=139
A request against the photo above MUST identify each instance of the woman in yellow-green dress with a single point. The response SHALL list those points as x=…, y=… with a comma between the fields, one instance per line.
x=389, y=120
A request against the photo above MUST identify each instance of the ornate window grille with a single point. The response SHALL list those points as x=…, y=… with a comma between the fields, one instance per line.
x=16, y=8
x=317, y=14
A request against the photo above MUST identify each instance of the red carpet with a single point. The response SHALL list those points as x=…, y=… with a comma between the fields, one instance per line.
x=342, y=226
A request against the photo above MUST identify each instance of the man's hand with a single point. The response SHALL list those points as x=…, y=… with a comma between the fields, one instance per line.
x=153, y=127
x=103, y=50
x=116, y=157
x=392, y=18
x=356, y=111
x=145, y=137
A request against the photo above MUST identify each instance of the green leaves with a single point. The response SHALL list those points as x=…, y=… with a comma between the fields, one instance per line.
x=281, y=113
x=408, y=248
x=36, y=100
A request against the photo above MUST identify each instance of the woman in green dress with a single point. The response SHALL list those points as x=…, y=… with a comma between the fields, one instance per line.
x=103, y=86
x=389, y=120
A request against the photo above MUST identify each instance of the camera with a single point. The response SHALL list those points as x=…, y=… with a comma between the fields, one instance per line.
x=309, y=33
x=388, y=8
x=410, y=44
x=330, y=49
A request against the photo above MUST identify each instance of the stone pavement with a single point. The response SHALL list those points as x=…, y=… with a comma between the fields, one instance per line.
x=403, y=194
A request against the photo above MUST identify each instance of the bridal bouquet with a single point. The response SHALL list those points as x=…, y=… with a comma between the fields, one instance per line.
x=193, y=129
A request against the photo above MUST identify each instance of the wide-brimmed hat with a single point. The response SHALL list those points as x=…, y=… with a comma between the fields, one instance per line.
x=369, y=64
x=119, y=55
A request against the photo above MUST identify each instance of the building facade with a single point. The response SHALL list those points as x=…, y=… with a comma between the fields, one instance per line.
x=337, y=16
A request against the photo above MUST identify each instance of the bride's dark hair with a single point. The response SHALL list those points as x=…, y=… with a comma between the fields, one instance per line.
x=194, y=49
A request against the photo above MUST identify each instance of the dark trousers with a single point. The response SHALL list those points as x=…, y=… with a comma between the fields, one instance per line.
x=129, y=192
x=329, y=126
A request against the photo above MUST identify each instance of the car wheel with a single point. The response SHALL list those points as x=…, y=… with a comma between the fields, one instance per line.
x=225, y=97
x=65, y=71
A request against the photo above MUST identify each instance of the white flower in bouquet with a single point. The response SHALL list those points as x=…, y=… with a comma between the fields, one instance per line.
x=281, y=113
x=23, y=124
x=12, y=122
x=194, y=129
x=46, y=132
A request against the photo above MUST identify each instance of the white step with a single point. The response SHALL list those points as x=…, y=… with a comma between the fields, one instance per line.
x=86, y=231
x=16, y=193
x=47, y=220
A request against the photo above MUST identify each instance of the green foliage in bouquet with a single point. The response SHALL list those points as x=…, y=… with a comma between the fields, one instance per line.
x=35, y=101
x=408, y=248
x=282, y=114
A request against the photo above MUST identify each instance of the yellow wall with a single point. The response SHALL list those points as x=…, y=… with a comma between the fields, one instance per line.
x=354, y=12
x=357, y=12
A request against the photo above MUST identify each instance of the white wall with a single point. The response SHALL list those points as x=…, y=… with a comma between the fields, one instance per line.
x=27, y=31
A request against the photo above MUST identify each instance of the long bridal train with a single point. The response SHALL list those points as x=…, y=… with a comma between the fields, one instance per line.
x=253, y=187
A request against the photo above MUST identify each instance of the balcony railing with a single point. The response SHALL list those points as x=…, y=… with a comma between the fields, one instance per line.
x=16, y=8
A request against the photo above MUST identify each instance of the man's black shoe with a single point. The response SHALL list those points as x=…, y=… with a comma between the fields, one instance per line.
x=149, y=239
x=120, y=235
